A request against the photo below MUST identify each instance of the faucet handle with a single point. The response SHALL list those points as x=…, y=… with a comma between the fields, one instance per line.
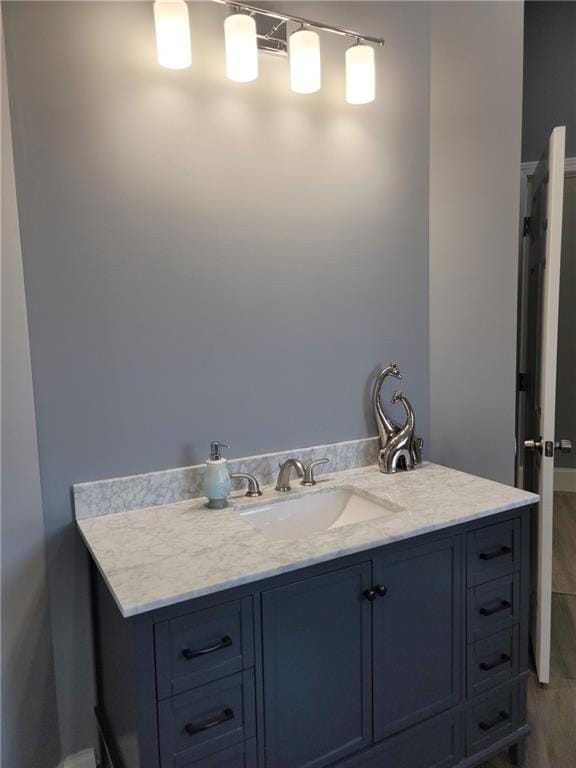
x=309, y=471
x=253, y=484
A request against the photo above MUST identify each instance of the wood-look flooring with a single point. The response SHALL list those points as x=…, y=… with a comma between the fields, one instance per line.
x=564, y=565
x=552, y=708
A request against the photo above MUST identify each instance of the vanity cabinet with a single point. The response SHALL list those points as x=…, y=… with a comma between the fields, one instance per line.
x=417, y=634
x=410, y=655
x=317, y=648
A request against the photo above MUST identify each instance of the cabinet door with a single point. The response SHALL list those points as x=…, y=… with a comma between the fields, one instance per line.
x=417, y=634
x=317, y=669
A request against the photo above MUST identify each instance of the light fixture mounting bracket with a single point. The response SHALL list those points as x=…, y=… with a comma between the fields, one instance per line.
x=274, y=40
x=271, y=35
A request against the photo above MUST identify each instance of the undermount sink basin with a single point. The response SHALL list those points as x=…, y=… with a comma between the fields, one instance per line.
x=315, y=512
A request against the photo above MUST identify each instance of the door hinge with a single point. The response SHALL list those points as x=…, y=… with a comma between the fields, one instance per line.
x=522, y=382
x=526, y=229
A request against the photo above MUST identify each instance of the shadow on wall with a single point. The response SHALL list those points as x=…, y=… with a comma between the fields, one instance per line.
x=30, y=734
x=29, y=721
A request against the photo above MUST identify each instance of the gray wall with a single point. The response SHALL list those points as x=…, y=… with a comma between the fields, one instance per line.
x=29, y=720
x=475, y=124
x=549, y=75
x=205, y=259
x=566, y=384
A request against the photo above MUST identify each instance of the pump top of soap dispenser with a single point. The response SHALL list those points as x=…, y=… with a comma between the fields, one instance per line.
x=215, y=452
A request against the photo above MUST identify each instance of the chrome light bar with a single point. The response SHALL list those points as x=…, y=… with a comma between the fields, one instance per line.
x=280, y=43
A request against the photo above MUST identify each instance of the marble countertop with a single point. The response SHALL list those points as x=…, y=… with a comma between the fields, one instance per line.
x=159, y=556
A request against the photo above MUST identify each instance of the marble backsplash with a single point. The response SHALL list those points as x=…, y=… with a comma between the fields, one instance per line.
x=121, y=494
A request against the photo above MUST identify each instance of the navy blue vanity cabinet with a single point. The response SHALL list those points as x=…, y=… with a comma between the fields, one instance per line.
x=317, y=647
x=409, y=655
x=417, y=634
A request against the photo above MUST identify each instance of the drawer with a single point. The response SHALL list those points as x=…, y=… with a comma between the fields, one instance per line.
x=493, y=607
x=491, y=717
x=493, y=661
x=493, y=551
x=238, y=756
x=202, y=646
x=437, y=743
x=209, y=719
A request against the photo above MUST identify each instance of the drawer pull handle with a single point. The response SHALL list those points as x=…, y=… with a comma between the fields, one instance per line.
x=498, y=553
x=189, y=654
x=192, y=729
x=504, y=604
x=487, y=726
x=486, y=667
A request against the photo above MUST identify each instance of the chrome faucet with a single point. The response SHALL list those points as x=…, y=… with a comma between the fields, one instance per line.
x=399, y=446
x=283, y=483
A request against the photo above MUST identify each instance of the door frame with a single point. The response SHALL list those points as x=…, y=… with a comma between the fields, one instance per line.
x=558, y=168
x=527, y=170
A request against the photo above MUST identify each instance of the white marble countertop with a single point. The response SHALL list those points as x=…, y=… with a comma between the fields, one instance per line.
x=158, y=556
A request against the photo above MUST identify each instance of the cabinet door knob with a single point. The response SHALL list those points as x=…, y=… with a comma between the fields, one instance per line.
x=378, y=590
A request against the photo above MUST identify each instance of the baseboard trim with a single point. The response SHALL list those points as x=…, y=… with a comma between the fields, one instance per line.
x=84, y=759
x=529, y=167
x=565, y=480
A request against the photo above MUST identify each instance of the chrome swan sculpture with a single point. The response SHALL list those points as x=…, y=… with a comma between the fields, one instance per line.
x=400, y=449
x=386, y=426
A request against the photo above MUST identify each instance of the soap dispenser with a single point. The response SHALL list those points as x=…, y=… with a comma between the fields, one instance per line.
x=217, y=483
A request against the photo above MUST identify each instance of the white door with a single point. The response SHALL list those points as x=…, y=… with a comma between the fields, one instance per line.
x=541, y=287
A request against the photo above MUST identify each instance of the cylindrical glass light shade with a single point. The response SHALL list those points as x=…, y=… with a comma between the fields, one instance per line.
x=360, y=74
x=172, y=34
x=304, y=48
x=241, y=48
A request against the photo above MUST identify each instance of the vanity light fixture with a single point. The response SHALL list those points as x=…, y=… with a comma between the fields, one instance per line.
x=360, y=74
x=241, y=46
x=250, y=28
x=172, y=34
x=304, y=52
